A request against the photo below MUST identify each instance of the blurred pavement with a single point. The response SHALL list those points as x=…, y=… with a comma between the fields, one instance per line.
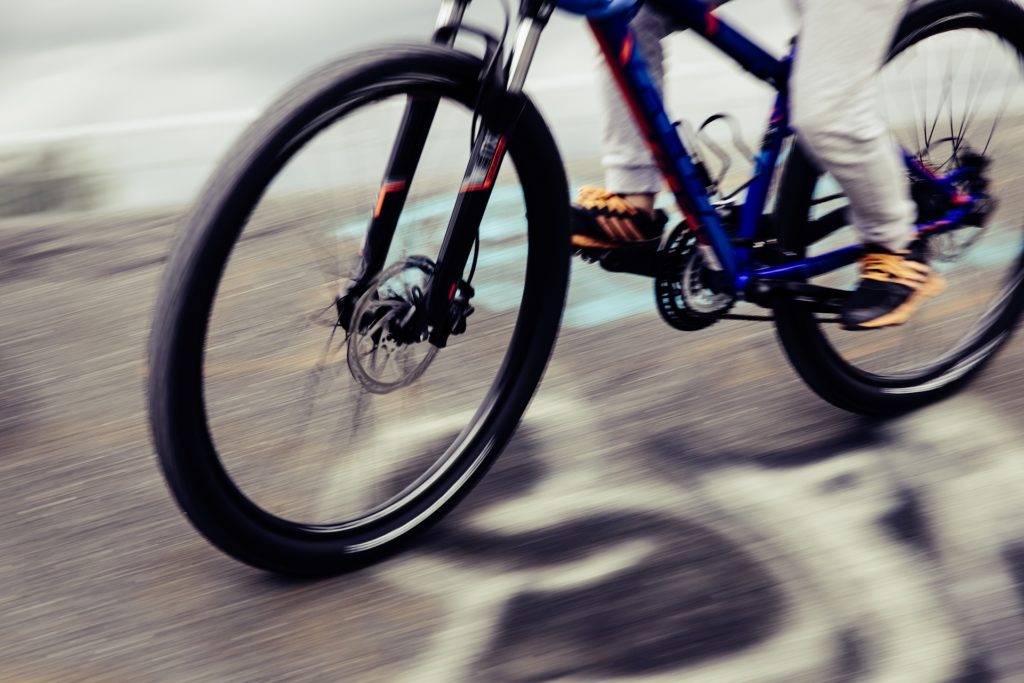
x=674, y=507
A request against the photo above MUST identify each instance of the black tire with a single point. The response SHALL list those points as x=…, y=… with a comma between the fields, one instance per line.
x=197, y=477
x=813, y=353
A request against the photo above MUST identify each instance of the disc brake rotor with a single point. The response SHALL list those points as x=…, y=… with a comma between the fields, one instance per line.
x=385, y=352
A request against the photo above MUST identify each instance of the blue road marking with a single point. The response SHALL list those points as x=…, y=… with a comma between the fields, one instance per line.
x=596, y=296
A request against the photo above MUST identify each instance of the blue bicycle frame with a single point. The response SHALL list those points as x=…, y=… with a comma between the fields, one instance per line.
x=609, y=20
x=732, y=254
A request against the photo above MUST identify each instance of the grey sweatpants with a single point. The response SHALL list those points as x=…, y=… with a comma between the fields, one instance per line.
x=834, y=109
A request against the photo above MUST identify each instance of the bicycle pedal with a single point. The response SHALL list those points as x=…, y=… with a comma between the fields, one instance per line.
x=589, y=255
x=640, y=258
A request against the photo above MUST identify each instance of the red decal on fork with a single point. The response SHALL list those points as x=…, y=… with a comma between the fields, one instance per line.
x=385, y=189
x=492, y=171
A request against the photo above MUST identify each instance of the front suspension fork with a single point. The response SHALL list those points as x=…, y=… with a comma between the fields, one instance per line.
x=405, y=158
x=488, y=152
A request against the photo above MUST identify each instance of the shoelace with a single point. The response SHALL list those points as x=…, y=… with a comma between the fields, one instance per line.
x=598, y=199
x=894, y=268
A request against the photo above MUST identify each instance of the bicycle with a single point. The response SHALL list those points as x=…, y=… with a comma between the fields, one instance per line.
x=410, y=328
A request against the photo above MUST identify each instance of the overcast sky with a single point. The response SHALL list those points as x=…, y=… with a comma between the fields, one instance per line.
x=66, y=63
x=148, y=93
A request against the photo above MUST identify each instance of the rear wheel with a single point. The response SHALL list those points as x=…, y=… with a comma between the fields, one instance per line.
x=952, y=90
x=305, y=432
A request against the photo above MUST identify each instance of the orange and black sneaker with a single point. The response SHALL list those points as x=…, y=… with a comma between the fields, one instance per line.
x=602, y=220
x=892, y=286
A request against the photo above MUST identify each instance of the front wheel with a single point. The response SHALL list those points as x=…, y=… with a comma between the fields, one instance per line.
x=952, y=89
x=304, y=431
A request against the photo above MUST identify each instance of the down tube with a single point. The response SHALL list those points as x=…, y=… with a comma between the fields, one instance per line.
x=618, y=44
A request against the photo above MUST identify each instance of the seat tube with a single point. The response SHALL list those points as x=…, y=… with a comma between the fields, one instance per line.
x=404, y=160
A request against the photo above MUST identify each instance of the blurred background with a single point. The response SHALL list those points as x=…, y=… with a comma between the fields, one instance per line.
x=141, y=101
x=673, y=507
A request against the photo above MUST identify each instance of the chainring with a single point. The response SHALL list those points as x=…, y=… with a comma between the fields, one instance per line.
x=681, y=293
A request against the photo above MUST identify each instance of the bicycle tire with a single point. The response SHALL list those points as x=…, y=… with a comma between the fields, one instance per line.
x=197, y=478
x=803, y=338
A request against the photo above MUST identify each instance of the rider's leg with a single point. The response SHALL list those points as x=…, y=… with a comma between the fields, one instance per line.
x=835, y=111
x=624, y=212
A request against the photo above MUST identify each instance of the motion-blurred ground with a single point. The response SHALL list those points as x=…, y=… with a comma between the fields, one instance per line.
x=674, y=507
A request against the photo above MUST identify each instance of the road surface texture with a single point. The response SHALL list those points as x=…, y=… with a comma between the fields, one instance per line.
x=673, y=507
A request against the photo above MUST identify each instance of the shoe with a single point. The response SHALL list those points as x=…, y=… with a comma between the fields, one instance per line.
x=604, y=220
x=892, y=285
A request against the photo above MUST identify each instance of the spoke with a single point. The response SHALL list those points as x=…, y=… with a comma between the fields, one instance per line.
x=949, y=81
x=971, y=104
x=338, y=203
x=329, y=265
x=924, y=121
x=379, y=324
x=311, y=318
x=334, y=474
x=888, y=113
x=947, y=88
x=951, y=158
x=918, y=151
x=380, y=356
x=967, y=101
x=406, y=360
x=1007, y=91
x=312, y=389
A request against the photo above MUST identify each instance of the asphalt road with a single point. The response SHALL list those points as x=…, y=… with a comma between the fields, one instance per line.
x=674, y=507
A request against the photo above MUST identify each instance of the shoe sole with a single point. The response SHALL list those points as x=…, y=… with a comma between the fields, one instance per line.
x=584, y=242
x=934, y=286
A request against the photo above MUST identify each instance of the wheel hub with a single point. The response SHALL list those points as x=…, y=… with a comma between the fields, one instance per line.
x=386, y=342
